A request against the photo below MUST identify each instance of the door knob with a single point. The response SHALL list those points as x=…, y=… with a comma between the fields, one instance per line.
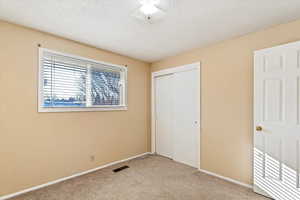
x=259, y=128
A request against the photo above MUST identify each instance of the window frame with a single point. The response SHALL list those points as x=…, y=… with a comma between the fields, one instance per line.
x=40, y=91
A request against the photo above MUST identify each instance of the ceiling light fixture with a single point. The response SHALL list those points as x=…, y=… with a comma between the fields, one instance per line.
x=150, y=11
x=149, y=7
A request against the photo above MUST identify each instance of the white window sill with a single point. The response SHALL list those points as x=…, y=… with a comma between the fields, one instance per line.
x=83, y=109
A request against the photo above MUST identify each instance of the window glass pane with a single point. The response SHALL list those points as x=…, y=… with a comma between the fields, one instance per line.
x=105, y=88
x=70, y=82
x=64, y=84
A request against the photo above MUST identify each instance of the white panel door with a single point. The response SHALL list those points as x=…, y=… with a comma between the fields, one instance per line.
x=277, y=122
x=163, y=100
x=186, y=117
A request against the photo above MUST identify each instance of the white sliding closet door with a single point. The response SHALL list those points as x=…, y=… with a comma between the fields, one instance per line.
x=177, y=115
x=163, y=106
x=185, y=117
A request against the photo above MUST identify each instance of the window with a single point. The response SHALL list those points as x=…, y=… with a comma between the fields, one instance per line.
x=72, y=83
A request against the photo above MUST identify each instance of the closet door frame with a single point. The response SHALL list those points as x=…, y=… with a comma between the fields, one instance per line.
x=194, y=66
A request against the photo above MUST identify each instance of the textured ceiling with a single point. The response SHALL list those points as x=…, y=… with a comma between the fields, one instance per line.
x=108, y=24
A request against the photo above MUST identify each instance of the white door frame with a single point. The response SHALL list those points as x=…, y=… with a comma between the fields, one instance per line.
x=182, y=68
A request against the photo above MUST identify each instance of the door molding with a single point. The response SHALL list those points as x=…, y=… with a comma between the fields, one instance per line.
x=168, y=71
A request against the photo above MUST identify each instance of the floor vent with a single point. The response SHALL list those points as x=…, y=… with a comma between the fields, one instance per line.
x=120, y=168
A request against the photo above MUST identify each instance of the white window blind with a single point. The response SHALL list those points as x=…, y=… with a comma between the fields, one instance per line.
x=71, y=83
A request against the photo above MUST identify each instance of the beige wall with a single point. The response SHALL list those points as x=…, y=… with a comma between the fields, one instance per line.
x=39, y=147
x=227, y=83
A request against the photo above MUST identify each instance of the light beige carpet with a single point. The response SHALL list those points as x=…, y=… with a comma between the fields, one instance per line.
x=148, y=178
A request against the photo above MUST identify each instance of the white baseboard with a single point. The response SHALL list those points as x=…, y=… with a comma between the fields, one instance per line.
x=226, y=178
x=69, y=177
